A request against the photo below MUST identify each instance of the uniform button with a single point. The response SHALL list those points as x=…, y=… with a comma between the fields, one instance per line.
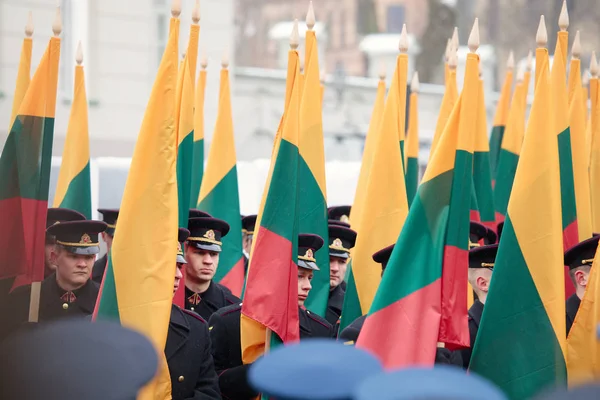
x=65, y=306
x=192, y=308
x=181, y=378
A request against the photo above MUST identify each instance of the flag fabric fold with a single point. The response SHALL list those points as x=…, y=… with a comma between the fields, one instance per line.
x=427, y=271
x=313, y=193
x=25, y=175
x=271, y=294
x=137, y=289
x=74, y=188
x=594, y=139
x=23, y=79
x=520, y=343
x=500, y=120
x=448, y=101
x=198, y=163
x=412, y=148
x=384, y=208
x=219, y=194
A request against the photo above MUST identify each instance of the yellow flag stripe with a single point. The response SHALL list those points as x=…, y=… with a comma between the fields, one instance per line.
x=23, y=79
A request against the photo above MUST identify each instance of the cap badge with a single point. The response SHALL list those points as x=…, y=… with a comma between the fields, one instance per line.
x=344, y=218
x=337, y=243
x=210, y=234
x=179, y=250
x=309, y=253
x=85, y=239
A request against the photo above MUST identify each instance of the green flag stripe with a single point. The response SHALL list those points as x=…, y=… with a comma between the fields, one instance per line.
x=223, y=202
x=108, y=306
x=197, y=171
x=507, y=167
x=185, y=159
x=495, y=145
x=516, y=345
x=462, y=189
x=351, y=308
x=482, y=179
x=412, y=178
x=79, y=193
x=567, y=183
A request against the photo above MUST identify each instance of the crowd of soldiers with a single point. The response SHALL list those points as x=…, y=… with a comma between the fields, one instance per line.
x=203, y=348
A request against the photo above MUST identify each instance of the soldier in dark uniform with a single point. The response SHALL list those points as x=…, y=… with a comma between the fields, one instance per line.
x=202, y=249
x=479, y=233
x=499, y=230
x=194, y=213
x=54, y=216
x=248, y=224
x=481, y=266
x=225, y=327
x=188, y=350
x=341, y=240
x=69, y=291
x=339, y=213
x=110, y=217
x=579, y=259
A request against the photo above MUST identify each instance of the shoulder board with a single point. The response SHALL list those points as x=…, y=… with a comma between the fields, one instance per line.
x=193, y=314
x=228, y=310
x=318, y=319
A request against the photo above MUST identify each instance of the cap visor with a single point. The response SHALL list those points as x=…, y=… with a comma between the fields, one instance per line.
x=308, y=265
x=181, y=259
x=83, y=251
x=338, y=254
x=206, y=246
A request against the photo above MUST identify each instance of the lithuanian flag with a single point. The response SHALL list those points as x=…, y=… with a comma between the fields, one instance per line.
x=501, y=118
x=313, y=195
x=384, y=209
x=560, y=111
x=138, y=285
x=521, y=339
x=186, y=81
x=412, y=141
x=423, y=293
x=482, y=175
x=595, y=141
x=219, y=195
x=24, y=71
x=448, y=101
x=198, y=163
x=25, y=173
x=74, y=188
x=577, y=122
x=511, y=147
x=583, y=348
x=271, y=295
x=402, y=70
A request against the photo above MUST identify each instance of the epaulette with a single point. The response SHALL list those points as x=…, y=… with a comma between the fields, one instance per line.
x=230, y=309
x=318, y=319
x=193, y=314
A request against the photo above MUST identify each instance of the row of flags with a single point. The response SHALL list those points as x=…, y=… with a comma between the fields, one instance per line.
x=536, y=175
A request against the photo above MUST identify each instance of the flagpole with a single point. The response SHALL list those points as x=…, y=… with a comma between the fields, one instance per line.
x=36, y=287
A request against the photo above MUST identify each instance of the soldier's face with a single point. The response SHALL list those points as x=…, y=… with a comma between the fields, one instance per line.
x=48, y=258
x=107, y=239
x=202, y=264
x=337, y=270
x=304, y=286
x=72, y=269
x=247, y=243
x=178, y=276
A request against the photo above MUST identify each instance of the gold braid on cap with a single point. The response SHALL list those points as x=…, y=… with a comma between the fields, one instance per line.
x=337, y=245
x=308, y=256
x=588, y=261
x=487, y=265
x=471, y=244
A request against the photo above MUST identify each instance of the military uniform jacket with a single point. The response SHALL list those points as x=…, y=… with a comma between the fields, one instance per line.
x=475, y=313
x=56, y=302
x=205, y=304
x=573, y=303
x=335, y=304
x=189, y=357
x=99, y=268
x=227, y=349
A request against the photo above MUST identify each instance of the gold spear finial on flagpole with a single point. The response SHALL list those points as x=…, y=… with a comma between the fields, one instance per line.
x=563, y=19
x=414, y=83
x=455, y=40
x=203, y=60
x=474, y=37
x=176, y=8
x=225, y=60
x=453, y=60
x=576, y=49
x=382, y=71
x=29, y=25
x=403, y=45
x=196, y=13
x=310, y=16
x=594, y=65
x=541, y=38
x=79, y=54
x=295, y=36
x=510, y=63
x=448, y=48
x=529, y=61
x=57, y=24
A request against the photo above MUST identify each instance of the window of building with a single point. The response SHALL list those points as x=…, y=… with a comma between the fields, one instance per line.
x=395, y=18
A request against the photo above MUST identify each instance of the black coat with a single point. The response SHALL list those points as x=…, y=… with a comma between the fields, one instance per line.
x=189, y=358
x=572, y=306
x=227, y=349
x=349, y=336
x=215, y=297
x=335, y=305
x=99, y=268
x=475, y=313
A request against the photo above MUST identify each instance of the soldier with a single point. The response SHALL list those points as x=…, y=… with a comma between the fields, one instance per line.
x=579, y=258
x=339, y=213
x=54, y=216
x=69, y=291
x=198, y=214
x=202, y=249
x=341, y=240
x=225, y=327
x=480, y=233
x=188, y=349
x=109, y=216
x=481, y=266
x=248, y=224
